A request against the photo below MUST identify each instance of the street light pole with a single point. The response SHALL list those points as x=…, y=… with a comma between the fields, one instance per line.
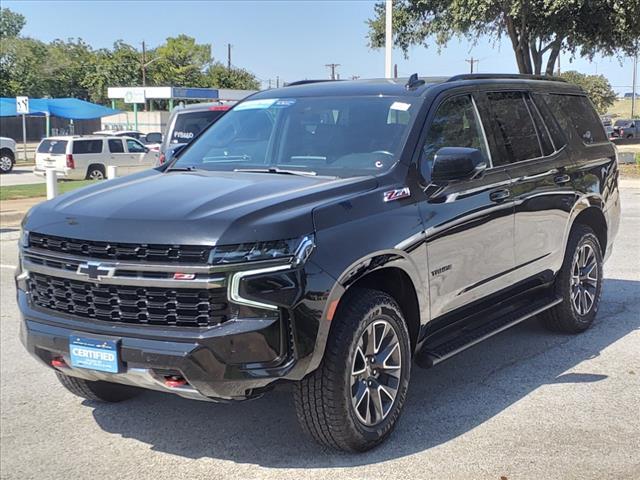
x=388, y=42
x=633, y=88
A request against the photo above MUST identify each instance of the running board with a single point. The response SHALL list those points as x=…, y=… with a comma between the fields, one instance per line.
x=430, y=356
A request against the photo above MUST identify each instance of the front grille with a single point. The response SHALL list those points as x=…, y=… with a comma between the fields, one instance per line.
x=122, y=251
x=130, y=304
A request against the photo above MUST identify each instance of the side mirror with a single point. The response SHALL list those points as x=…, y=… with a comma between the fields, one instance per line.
x=154, y=137
x=457, y=163
x=146, y=149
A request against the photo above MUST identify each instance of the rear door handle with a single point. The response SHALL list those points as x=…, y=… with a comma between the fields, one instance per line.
x=499, y=195
x=562, y=179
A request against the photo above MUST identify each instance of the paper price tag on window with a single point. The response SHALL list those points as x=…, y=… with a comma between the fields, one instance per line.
x=403, y=107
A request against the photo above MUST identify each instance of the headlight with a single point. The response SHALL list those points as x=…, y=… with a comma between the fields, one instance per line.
x=24, y=238
x=297, y=249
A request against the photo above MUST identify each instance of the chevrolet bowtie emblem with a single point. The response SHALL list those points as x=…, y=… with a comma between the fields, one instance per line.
x=95, y=270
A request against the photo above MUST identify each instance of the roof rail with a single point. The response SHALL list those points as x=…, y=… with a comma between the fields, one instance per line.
x=304, y=82
x=506, y=76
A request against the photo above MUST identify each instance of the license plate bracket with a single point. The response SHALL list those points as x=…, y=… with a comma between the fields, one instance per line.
x=95, y=353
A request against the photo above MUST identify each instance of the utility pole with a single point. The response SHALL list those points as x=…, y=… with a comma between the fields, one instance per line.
x=228, y=56
x=333, y=67
x=269, y=83
x=144, y=66
x=395, y=70
x=388, y=37
x=278, y=81
x=559, y=71
x=471, y=61
x=633, y=88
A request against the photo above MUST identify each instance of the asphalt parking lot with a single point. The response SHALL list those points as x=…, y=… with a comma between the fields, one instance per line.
x=526, y=404
x=20, y=175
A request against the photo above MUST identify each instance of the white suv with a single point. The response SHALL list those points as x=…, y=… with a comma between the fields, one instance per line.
x=77, y=157
x=7, y=154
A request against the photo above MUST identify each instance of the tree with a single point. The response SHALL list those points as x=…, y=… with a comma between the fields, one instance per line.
x=11, y=23
x=219, y=76
x=21, y=67
x=67, y=65
x=596, y=86
x=119, y=67
x=535, y=28
x=181, y=63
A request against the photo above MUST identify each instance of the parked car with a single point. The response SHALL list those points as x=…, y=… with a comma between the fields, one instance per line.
x=329, y=236
x=78, y=157
x=7, y=154
x=185, y=123
x=626, y=128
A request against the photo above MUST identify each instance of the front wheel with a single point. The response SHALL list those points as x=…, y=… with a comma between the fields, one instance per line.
x=6, y=161
x=354, y=399
x=579, y=284
x=98, y=391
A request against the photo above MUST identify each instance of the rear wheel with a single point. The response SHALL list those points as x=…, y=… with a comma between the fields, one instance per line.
x=6, y=161
x=579, y=284
x=96, y=172
x=99, y=391
x=354, y=399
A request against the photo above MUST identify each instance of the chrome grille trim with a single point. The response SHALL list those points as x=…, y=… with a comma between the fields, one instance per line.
x=126, y=273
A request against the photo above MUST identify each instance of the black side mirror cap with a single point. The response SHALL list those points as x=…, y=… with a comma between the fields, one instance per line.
x=457, y=163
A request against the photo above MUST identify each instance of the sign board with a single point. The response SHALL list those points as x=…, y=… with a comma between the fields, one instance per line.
x=22, y=105
x=134, y=95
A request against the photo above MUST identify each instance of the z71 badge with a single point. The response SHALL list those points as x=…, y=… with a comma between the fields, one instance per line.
x=397, y=194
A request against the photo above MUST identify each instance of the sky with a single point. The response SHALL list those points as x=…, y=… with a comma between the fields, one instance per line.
x=289, y=40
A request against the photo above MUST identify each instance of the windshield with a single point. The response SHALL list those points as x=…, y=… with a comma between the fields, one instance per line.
x=621, y=123
x=336, y=136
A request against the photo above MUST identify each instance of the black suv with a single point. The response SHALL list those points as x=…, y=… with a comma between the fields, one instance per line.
x=327, y=235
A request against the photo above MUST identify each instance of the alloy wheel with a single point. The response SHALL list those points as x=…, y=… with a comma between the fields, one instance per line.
x=5, y=164
x=584, y=279
x=376, y=373
x=96, y=175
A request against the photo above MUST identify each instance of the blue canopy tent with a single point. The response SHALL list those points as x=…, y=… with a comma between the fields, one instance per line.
x=71, y=108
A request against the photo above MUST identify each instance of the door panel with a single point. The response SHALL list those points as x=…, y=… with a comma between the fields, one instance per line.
x=118, y=156
x=470, y=240
x=469, y=223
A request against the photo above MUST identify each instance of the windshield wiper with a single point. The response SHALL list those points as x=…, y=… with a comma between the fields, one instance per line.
x=183, y=169
x=281, y=171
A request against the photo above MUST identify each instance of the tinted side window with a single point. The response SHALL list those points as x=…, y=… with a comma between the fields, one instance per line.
x=543, y=133
x=576, y=115
x=455, y=124
x=558, y=137
x=513, y=127
x=134, y=147
x=87, y=146
x=115, y=146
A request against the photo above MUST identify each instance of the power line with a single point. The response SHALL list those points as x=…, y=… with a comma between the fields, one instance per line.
x=471, y=61
x=333, y=67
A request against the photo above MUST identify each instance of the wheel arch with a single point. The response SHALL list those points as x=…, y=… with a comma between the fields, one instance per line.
x=7, y=150
x=589, y=211
x=391, y=272
x=96, y=166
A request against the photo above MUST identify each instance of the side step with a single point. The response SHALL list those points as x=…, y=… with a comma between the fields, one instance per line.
x=434, y=352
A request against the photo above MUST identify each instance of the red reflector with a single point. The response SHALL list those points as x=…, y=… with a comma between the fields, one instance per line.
x=184, y=276
x=220, y=108
x=162, y=159
x=70, y=162
x=58, y=362
x=174, y=381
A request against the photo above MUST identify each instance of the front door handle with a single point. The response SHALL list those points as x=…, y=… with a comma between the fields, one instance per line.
x=499, y=195
x=562, y=179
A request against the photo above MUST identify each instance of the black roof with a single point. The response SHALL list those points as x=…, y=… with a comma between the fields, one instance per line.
x=398, y=86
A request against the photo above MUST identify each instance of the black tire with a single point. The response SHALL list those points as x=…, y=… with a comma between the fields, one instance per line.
x=98, y=391
x=566, y=317
x=323, y=398
x=96, y=172
x=7, y=160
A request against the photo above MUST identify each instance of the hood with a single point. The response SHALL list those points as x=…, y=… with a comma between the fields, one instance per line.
x=192, y=208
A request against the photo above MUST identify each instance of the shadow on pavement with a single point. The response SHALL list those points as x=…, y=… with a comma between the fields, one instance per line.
x=443, y=402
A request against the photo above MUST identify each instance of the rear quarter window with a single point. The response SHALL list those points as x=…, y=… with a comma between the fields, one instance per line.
x=53, y=146
x=577, y=117
x=87, y=146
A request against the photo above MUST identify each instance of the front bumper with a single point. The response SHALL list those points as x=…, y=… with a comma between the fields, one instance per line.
x=233, y=361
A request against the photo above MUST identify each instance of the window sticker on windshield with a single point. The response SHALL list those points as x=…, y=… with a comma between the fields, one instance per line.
x=403, y=107
x=256, y=104
x=284, y=102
